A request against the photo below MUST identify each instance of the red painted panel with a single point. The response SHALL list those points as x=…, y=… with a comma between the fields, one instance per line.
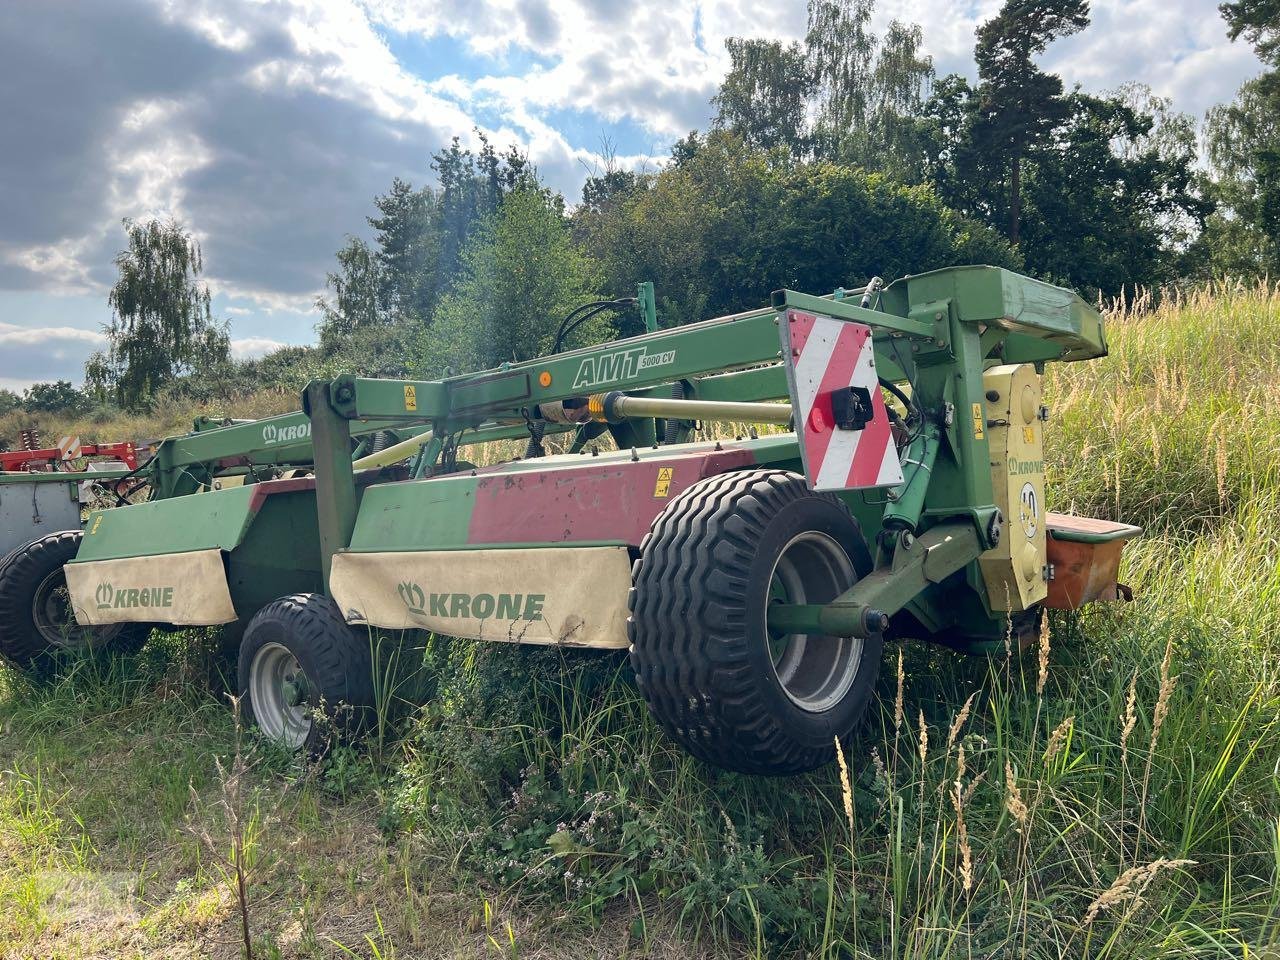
x=269, y=487
x=615, y=501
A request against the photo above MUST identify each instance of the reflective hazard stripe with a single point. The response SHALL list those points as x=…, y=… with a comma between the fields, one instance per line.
x=826, y=355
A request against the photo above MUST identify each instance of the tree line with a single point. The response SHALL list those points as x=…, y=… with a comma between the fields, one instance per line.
x=827, y=161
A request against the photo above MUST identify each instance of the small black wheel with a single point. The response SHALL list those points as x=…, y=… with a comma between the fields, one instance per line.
x=730, y=691
x=36, y=620
x=300, y=660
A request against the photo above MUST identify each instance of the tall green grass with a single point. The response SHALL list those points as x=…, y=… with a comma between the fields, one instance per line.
x=1113, y=797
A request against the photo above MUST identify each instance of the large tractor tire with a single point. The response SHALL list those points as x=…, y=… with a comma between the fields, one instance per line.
x=36, y=621
x=305, y=674
x=718, y=681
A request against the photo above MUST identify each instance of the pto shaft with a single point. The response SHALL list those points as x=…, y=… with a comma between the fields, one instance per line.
x=615, y=407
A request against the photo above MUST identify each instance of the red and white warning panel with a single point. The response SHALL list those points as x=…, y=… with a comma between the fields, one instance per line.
x=840, y=416
x=69, y=448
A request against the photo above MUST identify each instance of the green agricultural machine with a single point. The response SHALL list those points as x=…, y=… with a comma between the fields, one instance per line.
x=897, y=493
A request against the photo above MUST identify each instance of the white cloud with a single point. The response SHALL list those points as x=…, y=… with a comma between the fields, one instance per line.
x=268, y=125
x=32, y=354
x=247, y=347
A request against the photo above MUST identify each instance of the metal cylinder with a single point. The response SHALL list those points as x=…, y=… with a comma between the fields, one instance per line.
x=613, y=407
x=394, y=453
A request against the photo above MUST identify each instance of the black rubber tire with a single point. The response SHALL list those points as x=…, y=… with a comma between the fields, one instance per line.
x=699, y=643
x=22, y=573
x=334, y=657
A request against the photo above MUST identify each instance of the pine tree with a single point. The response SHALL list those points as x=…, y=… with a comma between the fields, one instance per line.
x=1019, y=104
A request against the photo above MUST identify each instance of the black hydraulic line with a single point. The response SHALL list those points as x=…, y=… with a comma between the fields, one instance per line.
x=572, y=322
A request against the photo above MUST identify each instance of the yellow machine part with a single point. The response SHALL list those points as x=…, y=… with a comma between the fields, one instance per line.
x=1015, y=570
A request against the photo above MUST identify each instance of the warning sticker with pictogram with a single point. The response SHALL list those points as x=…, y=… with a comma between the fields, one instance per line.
x=840, y=416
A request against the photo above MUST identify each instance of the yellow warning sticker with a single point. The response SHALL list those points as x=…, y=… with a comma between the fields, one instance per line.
x=97, y=522
x=663, y=487
x=978, y=421
x=1028, y=434
x=410, y=397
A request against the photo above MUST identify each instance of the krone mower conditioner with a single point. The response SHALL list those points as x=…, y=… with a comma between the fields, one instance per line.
x=754, y=581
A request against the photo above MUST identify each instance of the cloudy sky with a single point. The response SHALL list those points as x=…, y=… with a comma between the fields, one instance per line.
x=268, y=125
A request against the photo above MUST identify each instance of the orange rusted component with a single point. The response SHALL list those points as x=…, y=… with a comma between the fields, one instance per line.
x=1085, y=556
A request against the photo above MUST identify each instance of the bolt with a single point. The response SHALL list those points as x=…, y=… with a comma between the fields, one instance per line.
x=344, y=393
x=938, y=315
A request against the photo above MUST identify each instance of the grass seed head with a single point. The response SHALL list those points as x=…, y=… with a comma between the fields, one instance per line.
x=959, y=722
x=1043, y=673
x=1058, y=739
x=1013, y=801
x=1130, y=885
x=1130, y=717
x=897, y=702
x=846, y=787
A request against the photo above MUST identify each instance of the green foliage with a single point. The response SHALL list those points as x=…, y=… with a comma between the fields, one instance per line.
x=1259, y=22
x=521, y=275
x=1018, y=103
x=56, y=397
x=725, y=226
x=1105, y=220
x=1244, y=152
x=9, y=401
x=359, y=295
x=161, y=325
x=843, y=96
x=764, y=96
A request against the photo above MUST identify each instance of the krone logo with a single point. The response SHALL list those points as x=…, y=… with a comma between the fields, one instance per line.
x=104, y=595
x=413, y=596
x=272, y=434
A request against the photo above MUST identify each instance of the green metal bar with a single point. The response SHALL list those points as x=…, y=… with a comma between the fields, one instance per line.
x=335, y=477
x=917, y=564
x=906, y=503
x=644, y=361
x=648, y=305
x=843, y=310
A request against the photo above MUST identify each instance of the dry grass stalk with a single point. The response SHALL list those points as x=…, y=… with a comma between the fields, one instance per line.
x=1221, y=464
x=1155, y=447
x=924, y=739
x=897, y=702
x=846, y=788
x=1013, y=801
x=958, y=799
x=1130, y=885
x=1058, y=739
x=1167, y=685
x=959, y=722
x=1043, y=673
x=1130, y=717
x=881, y=773
x=239, y=827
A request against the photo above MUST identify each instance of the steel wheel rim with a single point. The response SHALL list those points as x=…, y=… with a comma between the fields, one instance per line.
x=55, y=621
x=275, y=679
x=815, y=672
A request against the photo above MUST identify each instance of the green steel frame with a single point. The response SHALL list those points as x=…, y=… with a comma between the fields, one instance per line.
x=936, y=332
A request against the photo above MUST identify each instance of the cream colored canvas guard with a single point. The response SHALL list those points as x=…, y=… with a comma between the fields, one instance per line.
x=185, y=589
x=574, y=596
